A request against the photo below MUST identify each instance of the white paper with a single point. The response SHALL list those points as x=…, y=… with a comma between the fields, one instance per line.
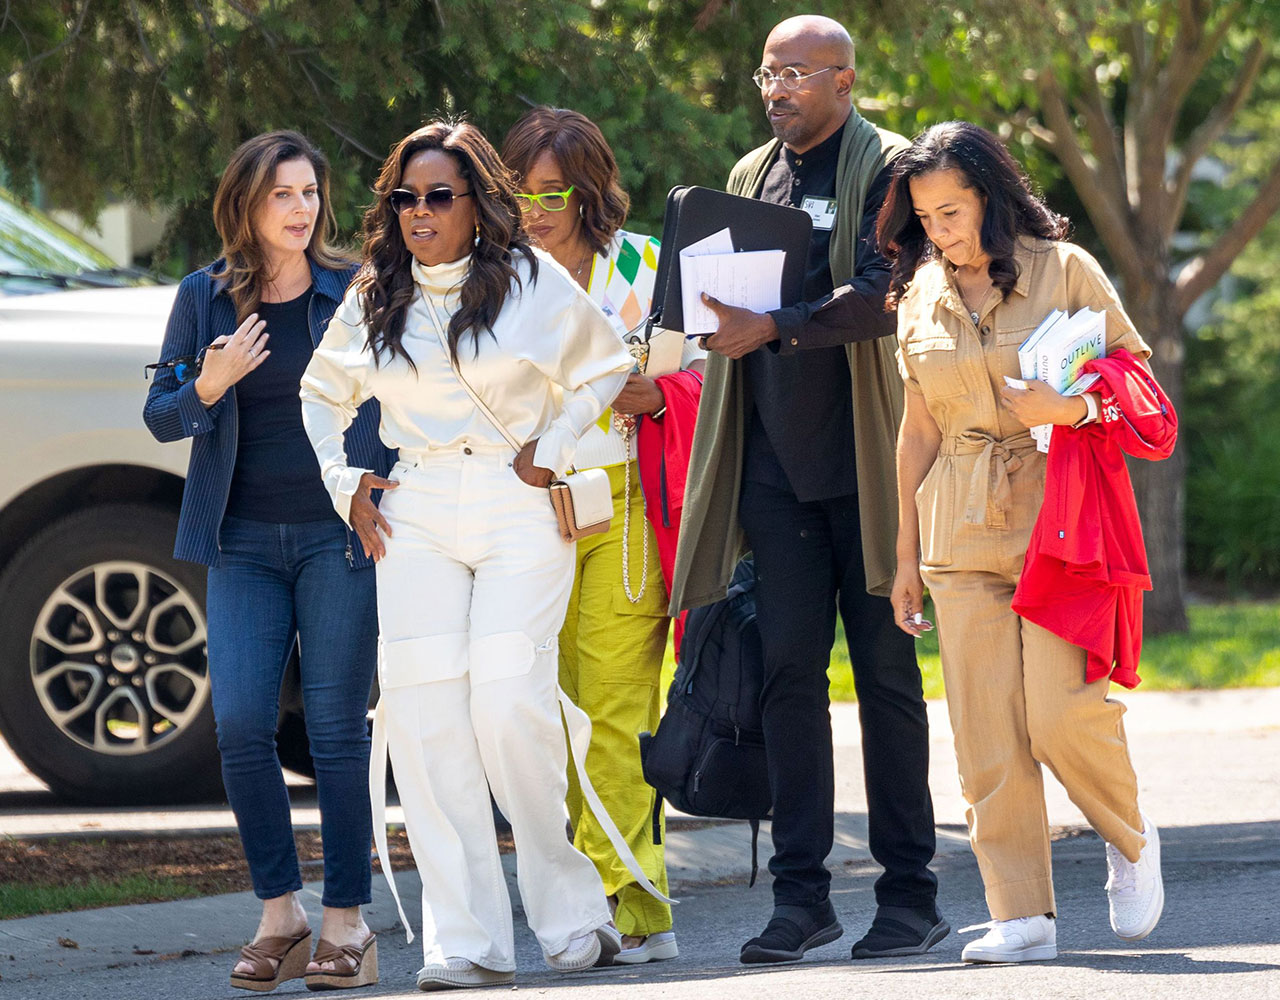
x=749, y=280
x=721, y=242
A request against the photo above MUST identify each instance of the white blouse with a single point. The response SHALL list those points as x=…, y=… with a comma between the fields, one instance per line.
x=551, y=366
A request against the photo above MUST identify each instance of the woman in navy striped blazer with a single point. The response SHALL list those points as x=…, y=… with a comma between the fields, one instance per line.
x=282, y=564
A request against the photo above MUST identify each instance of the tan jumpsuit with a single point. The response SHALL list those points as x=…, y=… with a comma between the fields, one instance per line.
x=1015, y=692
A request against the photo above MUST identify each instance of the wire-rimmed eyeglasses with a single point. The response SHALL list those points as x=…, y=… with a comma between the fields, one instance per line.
x=788, y=76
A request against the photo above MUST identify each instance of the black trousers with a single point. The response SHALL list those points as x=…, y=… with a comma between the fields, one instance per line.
x=808, y=559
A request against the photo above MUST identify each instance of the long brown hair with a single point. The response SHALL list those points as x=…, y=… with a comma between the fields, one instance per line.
x=1012, y=208
x=385, y=282
x=585, y=159
x=248, y=179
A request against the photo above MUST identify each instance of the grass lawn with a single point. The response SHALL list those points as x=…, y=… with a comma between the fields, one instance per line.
x=24, y=899
x=1229, y=645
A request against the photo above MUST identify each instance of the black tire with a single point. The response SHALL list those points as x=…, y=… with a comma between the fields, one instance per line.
x=103, y=720
x=292, y=745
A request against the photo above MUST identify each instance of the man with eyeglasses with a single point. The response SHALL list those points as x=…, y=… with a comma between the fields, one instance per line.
x=815, y=485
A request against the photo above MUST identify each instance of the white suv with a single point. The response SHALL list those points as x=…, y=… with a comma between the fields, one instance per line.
x=104, y=690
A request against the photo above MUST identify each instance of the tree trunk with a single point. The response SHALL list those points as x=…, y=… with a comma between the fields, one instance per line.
x=1160, y=486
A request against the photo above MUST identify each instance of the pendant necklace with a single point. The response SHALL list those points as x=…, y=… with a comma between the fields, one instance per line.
x=577, y=272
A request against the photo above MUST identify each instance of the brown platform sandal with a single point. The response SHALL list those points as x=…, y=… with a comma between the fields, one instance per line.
x=290, y=954
x=353, y=965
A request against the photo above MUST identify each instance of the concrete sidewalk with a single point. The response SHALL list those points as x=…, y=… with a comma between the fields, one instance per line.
x=1203, y=758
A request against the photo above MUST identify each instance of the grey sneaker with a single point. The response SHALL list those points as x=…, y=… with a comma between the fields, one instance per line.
x=1135, y=890
x=595, y=948
x=459, y=973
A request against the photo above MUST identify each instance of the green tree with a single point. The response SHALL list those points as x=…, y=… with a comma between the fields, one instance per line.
x=1232, y=414
x=1122, y=98
x=147, y=98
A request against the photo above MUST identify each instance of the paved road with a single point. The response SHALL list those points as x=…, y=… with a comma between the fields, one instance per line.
x=1209, y=770
x=1218, y=941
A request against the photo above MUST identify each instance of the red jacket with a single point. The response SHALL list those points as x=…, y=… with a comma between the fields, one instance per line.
x=1086, y=564
x=662, y=448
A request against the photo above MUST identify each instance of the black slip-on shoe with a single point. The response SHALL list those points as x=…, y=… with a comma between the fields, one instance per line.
x=898, y=931
x=791, y=932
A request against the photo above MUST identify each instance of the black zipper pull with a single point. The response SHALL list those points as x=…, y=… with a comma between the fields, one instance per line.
x=351, y=559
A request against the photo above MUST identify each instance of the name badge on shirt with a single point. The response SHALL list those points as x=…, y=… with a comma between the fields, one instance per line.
x=821, y=210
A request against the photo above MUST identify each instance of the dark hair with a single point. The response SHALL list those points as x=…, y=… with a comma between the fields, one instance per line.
x=385, y=282
x=1012, y=210
x=586, y=159
x=248, y=179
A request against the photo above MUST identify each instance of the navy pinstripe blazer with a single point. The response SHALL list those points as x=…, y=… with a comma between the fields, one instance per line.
x=202, y=312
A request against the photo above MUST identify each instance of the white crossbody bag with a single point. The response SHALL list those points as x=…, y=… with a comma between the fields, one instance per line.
x=582, y=501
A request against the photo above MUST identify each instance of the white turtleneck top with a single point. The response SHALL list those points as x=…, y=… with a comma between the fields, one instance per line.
x=551, y=366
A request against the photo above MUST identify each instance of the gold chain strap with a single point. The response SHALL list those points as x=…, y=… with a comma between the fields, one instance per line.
x=627, y=436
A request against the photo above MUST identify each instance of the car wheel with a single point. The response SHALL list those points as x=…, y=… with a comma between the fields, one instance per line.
x=104, y=679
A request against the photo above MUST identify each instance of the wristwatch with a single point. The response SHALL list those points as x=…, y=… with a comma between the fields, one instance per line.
x=1091, y=410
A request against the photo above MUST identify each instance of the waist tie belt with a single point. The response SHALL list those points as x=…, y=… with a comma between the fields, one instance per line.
x=578, y=725
x=989, y=497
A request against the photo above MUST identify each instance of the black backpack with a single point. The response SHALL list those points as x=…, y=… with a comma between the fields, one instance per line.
x=707, y=757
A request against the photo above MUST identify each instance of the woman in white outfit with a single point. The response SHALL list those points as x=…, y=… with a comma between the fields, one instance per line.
x=473, y=577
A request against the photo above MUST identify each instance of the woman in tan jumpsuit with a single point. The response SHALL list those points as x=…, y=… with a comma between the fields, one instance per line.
x=978, y=265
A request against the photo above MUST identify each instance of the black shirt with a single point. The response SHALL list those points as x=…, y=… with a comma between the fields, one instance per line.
x=794, y=177
x=800, y=424
x=277, y=477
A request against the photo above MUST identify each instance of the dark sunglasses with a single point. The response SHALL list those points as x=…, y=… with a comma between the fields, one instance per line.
x=438, y=200
x=184, y=369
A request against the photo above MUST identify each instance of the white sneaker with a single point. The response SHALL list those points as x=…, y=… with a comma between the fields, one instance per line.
x=598, y=947
x=1135, y=890
x=1024, y=939
x=657, y=947
x=459, y=973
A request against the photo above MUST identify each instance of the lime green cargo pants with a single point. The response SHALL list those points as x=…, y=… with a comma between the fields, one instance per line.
x=610, y=660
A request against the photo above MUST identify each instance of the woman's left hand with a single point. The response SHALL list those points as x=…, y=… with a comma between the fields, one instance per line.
x=366, y=519
x=640, y=395
x=1038, y=404
x=534, y=475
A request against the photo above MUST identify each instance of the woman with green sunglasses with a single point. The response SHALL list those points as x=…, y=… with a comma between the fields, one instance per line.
x=612, y=644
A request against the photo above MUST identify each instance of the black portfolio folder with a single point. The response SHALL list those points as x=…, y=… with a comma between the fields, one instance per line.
x=694, y=213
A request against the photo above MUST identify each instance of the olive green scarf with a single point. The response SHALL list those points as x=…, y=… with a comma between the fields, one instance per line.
x=711, y=540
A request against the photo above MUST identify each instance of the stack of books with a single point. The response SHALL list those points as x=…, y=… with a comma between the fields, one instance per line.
x=1056, y=353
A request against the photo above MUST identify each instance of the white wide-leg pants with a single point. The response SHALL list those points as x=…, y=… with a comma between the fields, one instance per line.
x=471, y=597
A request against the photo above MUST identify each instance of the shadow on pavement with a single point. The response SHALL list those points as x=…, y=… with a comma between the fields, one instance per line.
x=1164, y=963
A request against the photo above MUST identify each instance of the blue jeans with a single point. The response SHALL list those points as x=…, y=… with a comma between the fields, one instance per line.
x=275, y=581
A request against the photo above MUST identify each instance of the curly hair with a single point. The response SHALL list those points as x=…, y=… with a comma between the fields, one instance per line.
x=584, y=157
x=248, y=178
x=385, y=282
x=1012, y=209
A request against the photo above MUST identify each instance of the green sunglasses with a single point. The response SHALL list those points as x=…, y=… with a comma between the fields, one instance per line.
x=552, y=201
